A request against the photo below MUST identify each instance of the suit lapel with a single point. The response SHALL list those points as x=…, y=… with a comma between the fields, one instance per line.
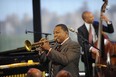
x=64, y=45
x=85, y=31
x=95, y=26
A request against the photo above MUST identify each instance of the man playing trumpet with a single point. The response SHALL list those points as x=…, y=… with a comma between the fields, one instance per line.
x=63, y=55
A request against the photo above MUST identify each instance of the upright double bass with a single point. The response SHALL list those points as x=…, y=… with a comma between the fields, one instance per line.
x=109, y=56
x=98, y=60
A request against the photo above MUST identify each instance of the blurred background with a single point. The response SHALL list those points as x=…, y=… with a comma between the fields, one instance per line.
x=17, y=17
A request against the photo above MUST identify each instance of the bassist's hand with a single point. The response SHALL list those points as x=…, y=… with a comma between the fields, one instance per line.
x=95, y=51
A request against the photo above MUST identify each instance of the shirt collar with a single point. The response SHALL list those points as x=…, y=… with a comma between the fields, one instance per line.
x=87, y=26
x=64, y=40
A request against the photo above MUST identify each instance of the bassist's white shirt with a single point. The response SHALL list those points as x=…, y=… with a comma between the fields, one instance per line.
x=93, y=31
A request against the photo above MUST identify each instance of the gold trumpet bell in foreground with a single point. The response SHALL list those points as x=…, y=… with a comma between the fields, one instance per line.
x=28, y=45
x=36, y=45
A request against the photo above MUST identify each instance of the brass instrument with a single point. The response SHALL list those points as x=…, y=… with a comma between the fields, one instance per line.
x=30, y=46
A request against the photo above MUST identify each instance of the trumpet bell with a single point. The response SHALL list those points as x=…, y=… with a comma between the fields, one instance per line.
x=28, y=45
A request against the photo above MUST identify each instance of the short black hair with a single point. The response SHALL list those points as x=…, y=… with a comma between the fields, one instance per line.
x=63, y=26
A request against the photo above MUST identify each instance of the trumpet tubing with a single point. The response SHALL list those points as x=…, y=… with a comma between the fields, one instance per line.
x=30, y=46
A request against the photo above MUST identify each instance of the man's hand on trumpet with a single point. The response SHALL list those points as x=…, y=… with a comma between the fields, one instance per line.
x=44, y=44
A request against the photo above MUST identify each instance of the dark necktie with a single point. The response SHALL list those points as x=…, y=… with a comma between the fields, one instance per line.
x=90, y=35
x=58, y=47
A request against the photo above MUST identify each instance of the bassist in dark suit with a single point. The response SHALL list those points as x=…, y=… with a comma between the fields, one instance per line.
x=87, y=49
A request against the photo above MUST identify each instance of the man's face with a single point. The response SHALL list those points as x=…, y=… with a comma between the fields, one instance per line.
x=89, y=18
x=59, y=34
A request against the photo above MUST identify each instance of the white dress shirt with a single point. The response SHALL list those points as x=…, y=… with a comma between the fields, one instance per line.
x=93, y=31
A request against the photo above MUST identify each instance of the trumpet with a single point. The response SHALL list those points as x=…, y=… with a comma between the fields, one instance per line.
x=31, y=47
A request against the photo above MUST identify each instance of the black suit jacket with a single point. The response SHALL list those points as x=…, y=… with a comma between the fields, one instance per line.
x=82, y=31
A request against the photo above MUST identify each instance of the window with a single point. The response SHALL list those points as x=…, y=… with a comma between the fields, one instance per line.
x=16, y=17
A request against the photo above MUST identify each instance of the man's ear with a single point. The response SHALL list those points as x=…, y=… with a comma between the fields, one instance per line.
x=67, y=32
